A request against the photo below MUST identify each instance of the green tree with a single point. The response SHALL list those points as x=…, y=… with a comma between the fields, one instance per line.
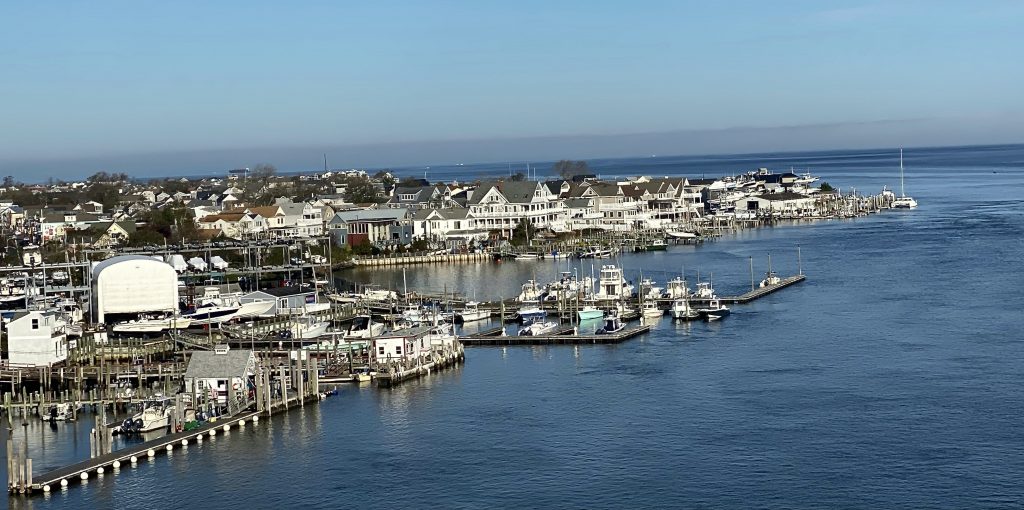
x=826, y=187
x=518, y=176
x=567, y=169
x=359, y=189
x=523, y=232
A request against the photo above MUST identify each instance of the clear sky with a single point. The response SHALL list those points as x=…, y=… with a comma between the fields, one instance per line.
x=89, y=86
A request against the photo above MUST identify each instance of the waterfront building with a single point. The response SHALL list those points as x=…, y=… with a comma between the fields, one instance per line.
x=133, y=284
x=215, y=371
x=36, y=338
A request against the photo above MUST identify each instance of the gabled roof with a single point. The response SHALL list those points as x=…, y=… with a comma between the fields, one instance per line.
x=370, y=215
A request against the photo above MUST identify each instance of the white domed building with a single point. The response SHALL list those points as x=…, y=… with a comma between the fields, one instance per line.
x=133, y=284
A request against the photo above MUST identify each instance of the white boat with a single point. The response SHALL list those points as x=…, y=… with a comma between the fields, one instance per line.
x=529, y=314
x=678, y=234
x=471, y=313
x=531, y=292
x=903, y=201
x=612, y=324
x=704, y=291
x=363, y=327
x=153, y=325
x=682, y=310
x=305, y=327
x=254, y=309
x=677, y=289
x=63, y=411
x=770, y=278
x=612, y=285
x=714, y=310
x=212, y=314
x=537, y=328
x=805, y=179
x=155, y=415
x=650, y=310
x=590, y=313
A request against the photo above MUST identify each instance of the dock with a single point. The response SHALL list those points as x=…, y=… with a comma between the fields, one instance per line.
x=562, y=337
x=764, y=291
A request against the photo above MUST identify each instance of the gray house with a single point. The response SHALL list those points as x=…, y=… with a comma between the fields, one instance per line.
x=287, y=300
x=220, y=372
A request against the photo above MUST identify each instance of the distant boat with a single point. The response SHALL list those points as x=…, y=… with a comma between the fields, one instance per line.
x=903, y=202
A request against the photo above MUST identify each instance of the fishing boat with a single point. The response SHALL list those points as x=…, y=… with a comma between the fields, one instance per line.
x=677, y=289
x=537, y=328
x=529, y=314
x=612, y=324
x=650, y=310
x=471, y=313
x=682, y=235
x=530, y=292
x=590, y=313
x=682, y=310
x=714, y=310
x=903, y=201
x=770, y=278
x=63, y=411
x=156, y=414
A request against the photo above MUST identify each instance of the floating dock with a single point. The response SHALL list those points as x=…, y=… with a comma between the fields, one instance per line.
x=493, y=337
x=764, y=291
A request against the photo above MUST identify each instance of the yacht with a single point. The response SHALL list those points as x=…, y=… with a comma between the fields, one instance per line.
x=677, y=289
x=471, y=313
x=903, y=201
x=211, y=314
x=612, y=284
x=363, y=327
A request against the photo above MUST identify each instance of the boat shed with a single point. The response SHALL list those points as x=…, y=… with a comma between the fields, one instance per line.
x=400, y=345
x=36, y=338
x=133, y=284
x=287, y=300
x=213, y=372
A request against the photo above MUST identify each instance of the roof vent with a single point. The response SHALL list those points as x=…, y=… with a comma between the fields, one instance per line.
x=220, y=349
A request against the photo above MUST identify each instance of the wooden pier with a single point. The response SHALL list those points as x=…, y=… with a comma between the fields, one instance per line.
x=440, y=361
x=495, y=338
x=764, y=291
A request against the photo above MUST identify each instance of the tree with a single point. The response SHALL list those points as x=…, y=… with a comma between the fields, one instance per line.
x=518, y=176
x=8, y=181
x=385, y=177
x=523, y=232
x=568, y=169
x=825, y=187
x=359, y=189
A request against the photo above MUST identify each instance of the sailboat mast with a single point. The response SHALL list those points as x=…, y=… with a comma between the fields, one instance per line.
x=902, y=194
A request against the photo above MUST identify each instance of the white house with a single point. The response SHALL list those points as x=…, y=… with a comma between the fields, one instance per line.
x=36, y=338
x=401, y=345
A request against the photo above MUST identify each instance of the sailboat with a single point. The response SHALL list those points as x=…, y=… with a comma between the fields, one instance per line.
x=903, y=202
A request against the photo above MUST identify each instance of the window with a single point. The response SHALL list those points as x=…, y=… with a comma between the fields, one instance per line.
x=398, y=350
x=35, y=323
x=380, y=350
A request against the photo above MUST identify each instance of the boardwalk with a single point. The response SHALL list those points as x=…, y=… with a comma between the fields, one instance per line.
x=557, y=339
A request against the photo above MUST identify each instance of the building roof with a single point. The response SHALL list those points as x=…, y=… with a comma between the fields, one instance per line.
x=293, y=290
x=369, y=215
x=212, y=365
x=785, y=195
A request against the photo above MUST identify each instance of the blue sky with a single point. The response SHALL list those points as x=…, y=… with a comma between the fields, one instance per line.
x=93, y=86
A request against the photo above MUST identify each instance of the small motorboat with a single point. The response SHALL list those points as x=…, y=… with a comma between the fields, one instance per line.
x=537, y=328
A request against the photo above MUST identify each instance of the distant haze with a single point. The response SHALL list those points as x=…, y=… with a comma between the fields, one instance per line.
x=907, y=133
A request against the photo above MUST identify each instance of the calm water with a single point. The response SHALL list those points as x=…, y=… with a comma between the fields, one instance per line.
x=892, y=377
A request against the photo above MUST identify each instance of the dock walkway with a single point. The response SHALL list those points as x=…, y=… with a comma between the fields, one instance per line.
x=491, y=337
